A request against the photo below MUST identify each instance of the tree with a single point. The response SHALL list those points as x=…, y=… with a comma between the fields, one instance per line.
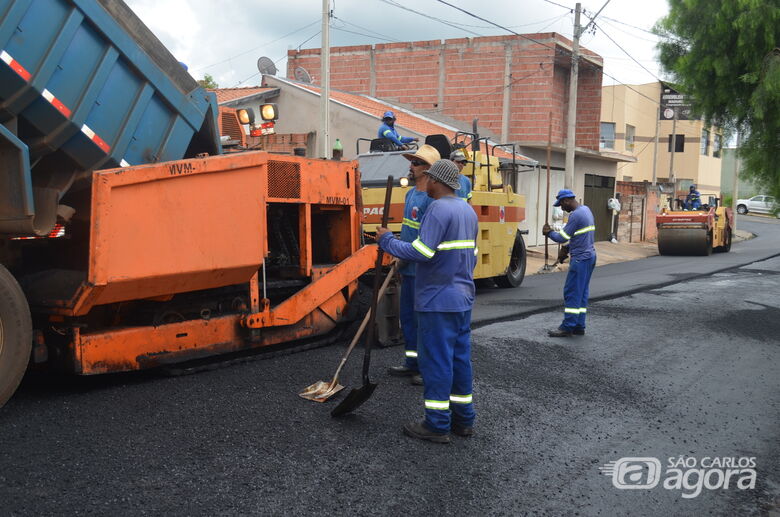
x=725, y=55
x=208, y=82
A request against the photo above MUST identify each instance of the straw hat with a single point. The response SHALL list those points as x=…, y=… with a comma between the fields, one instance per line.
x=426, y=153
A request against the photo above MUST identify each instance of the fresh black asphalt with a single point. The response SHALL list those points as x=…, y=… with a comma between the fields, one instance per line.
x=684, y=368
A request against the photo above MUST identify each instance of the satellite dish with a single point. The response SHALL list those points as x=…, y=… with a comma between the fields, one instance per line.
x=302, y=75
x=266, y=66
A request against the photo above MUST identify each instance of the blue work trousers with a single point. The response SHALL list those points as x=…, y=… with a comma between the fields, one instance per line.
x=575, y=293
x=408, y=318
x=444, y=340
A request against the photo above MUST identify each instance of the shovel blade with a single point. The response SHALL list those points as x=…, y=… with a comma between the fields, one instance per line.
x=321, y=391
x=354, y=400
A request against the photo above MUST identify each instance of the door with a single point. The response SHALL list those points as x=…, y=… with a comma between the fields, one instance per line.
x=756, y=204
x=598, y=190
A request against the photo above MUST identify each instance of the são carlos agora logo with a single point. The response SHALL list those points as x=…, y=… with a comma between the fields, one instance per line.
x=687, y=474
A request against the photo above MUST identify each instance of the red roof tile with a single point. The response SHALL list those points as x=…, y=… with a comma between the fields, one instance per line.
x=231, y=94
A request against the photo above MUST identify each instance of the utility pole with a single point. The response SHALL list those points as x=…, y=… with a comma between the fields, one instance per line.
x=735, y=181
x=672, y=179
x=324, y=136
x=571, y=127
x=655, y=147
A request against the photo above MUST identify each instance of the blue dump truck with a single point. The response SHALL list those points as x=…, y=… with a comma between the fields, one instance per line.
x=127, y=239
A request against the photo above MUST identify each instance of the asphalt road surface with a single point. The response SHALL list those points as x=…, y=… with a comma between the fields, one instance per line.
x=675, y=368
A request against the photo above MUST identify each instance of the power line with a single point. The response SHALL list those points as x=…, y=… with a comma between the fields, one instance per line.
x=366, y=29
x=445, y=22
x=626, y=52
x=257, y=47
x=362, y=34
x=632, y=26
x=560, y=5
x=275, y=62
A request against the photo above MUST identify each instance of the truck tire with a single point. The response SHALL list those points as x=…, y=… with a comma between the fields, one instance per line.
x=15, y=335
x=515, y=272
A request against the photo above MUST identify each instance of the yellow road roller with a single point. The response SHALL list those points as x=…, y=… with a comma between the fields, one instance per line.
x=695, y=232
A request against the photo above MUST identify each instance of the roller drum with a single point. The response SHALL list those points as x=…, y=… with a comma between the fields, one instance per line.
x=684, y=241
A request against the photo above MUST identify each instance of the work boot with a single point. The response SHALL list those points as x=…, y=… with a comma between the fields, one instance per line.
x=462, y=430
x=401, y=371
x=578, y=332
x=420, y=431
x=559, y=333
x=417, y=380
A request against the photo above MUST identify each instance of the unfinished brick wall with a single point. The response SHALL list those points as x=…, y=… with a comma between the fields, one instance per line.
x=465, y=79
x=634, y=223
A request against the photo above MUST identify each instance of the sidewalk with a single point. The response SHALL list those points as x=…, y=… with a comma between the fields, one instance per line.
x=607, y=252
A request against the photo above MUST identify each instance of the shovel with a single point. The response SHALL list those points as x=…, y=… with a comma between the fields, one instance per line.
x=358, y=396
x=321, y=391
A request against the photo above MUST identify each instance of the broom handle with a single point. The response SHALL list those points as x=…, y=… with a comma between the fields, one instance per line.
x=364, y=323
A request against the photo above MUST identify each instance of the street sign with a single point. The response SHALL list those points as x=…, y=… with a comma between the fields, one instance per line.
x=672, y=101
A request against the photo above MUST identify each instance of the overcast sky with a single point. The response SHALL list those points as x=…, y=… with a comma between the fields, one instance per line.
x=225, y=38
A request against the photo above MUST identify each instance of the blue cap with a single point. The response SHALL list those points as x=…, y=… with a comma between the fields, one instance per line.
x=563, y=194
x=388, y=114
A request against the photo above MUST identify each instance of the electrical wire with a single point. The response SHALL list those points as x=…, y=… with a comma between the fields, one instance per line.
x=626, y=52
x=281, y=58
x=366, y=35
x=388, y=38
x=445, y=22
x=255, y=48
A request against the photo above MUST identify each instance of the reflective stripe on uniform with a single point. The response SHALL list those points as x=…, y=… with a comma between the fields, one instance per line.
x=411, y=353
x=460, y=399
x=565, y=235
x=568, y=310
x=386, y=132
x=437, y=404
x=422, y=248
x=583, y=310
x=411, y=224
x=456, y=245
x=585, y=230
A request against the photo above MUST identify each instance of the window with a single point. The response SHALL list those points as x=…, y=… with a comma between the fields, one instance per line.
x=607, y=140
x=630, y=135
x=717, y=143
x=679, y=143
x=704, y=146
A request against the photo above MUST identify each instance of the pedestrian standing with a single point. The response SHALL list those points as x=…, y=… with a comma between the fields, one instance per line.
x=445, y=253
x=459, y=158
x=415, y=205
x=577, y=237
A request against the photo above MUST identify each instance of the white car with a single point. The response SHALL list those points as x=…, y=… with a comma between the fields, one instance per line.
x=758, y=204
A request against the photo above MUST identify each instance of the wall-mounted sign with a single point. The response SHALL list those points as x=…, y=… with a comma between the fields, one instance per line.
x=672, y=101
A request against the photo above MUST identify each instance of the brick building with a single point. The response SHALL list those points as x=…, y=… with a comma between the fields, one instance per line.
x=514, y=85
x=511, y=83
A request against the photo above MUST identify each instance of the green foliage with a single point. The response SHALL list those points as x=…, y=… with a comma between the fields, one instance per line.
x=724, y=53
x=208, y=82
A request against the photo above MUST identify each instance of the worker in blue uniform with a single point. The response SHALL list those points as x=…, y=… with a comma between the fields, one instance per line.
x=415, y=205
x=458, y=157
x=387, y=130
x=693, y=199
x=577, y=237
x=445, y=253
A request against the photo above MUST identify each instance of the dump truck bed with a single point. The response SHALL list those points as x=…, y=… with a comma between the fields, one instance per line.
x=85, y=86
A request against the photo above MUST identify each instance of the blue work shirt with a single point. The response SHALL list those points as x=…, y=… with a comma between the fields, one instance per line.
x=386, y=131
x=415, y=205
x=579, y=233
x=464, y=192
x=693, y=200
x=446, y=255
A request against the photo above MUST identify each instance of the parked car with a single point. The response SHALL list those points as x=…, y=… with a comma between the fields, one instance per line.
x=759, y=205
